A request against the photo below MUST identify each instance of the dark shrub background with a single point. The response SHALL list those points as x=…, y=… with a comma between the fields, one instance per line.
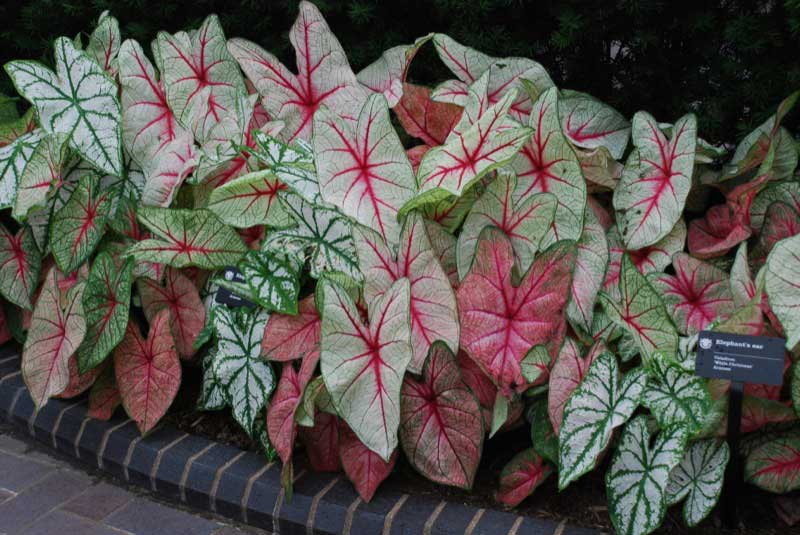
x=729, y=61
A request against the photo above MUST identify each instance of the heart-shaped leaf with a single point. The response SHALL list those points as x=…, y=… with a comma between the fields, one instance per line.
x=250, y=200
x=591, y=124
x=775, y=465
x=288, y=337
x=698, y=479
x=521, y=476
x=676, y=397
x=424, y=118
x=365, y=468
x=20, y=264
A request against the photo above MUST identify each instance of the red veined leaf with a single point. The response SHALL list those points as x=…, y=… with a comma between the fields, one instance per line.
x=441, y=428
x=444, y=245
x=433, y=304
x=656, y=180
x=104, y=396
x=500, y=322
x=775, y=465
x=742, y=287
x=451, y=211
x=567, y=373
x=781, y=221
x=45, y=168
x=166, y=170
x=748, y=320
x=696, y=295
x=589, y=273
x=758, y=412
x=479, y=383
x=521, y=476
x=288, y=337
x=103, y=45
x=785, y=192
x=250, y=200
x=424, y=118
x=253, y=236
x=281, y=425
x=324, y=75
x=364, y=468
x=78, y=382
x=415, y=155
x=20, y=265
x=387, y=74
x=148, y=372
x=56, y=330
x=322, y=442
x=591, y=124
x=180, y=297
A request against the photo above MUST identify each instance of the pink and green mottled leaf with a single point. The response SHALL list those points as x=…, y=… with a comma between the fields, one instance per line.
x=45, y=167
x=568, y=371
x=424, y=118
x=363, y=467
x=13, y=130
x=717, y=233
x=521, y=476
x=78, y=382
x=589, y=273
x=288, y=395
x=290, y=337
x=444, y=246
x=592, y=124
x=758, y=412
x=782, y=284
x=250, y=200
x=775, y=466
x=20, y=265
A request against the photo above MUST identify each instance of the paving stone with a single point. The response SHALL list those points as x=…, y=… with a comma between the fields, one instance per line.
x=35, y=501
x=16, y=474
x=99, y=501
x=5, y=495
x=61, y=523
x=10, y=444
x=143, y=517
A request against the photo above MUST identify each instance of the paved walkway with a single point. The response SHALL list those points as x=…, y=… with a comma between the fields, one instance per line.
x=42, y=494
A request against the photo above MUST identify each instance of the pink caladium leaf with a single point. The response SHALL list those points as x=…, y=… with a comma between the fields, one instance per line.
x=20, y=265
x=589, y=273
x=591, y=124
x=775, y=465
x=548, y=164
x=387, y=74
x=478, y=382
x=568, y=371
x=781, y=221
x=201, y=79
x=424, y=118
x=148, y=372
x=281, y=425
x=696, y=295
x=656, y=181
x=56, y=330
x=500, y=321
x=290, y=337
x=180, y=297
x=324, y=75
x=322, y=442
x=364, y=170
x=104, y=396
x=78, y=382
x=433, y=304
x=521, y=476
x=785, y=192
x=441, y=428
x=363, y=365
x=166, y=170
x=364, y=468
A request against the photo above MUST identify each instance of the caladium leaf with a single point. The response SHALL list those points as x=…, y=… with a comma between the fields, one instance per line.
x=78, y=382
x=187, y=238
x=14, y=157
x=698, y=479
x=775, y=466
x=322, y=443
x=293, y=165
x=525, y=222
x=547, y=163
x=782, y=221
x=441, y=428
x=636, y=481
x=45, y=167
x=589, y=273
x=288, y=395
x=696, y=295
x=271, y=280
x=212, y=395
x=785, y=192
x=201, y=79
x=444, y=246
x=290, y=337
x=363, y=365
x=106, y=303
x=387, y=74
x=166, y=170
x=186, y=313
x=500, y=322
x=424, y=118
x=365, y=468
x=641, y=313
x=324, y=75
x=433, y=304
x=521, y=476
x=20, y=264
x=782, y=284
x=543, y=438
x=104, y=396
x=104, y=43
x=676, y=397
x=56, y=330
x=758, y=412
x=250, y=200
x=591, y=124
x=601, y=171
x=602, y=402
x=480, y=384
x=568, y=371
x=78, y=100
x=742, y=287
x=148, y=372
x=656, y=181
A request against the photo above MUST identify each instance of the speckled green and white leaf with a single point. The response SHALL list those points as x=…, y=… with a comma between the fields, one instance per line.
x=293, y=164
x=525, y=222
x=782, y=283
x=775, y=465
x=602, y=402
x=636, y=481
x=785, y=192
x=273, y=279
x=676, y=397
x=589, y=273
x=640, y=312
x=322, y=234
x=20, y=264
x=698, y=479
x=212, y=395
x=363, y=365
x=250, y=200
x=591, y=124
x=14, y=158
x=246, y=378
x=657, y=178
x=78, y=100
x=44, y=167
x=104, y=43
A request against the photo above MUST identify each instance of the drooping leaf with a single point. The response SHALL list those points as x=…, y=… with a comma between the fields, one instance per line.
x=289, y=337
x=250, y=200
x=424, y=118
x=543, y=437
x=521, y=476
x=589, y=273
x=387, y=74
x=14, y=157
x=568, y=371
x=78, y=382
x=775, y=465
x=698, y=479
x=591, y=124
x=636, y=481
x=364, y=468
x=676, y=397
x=20, y=264
x=288, y=395
x=46, y=165
x=104, y=396
x=656, y=181
x=782, y=284
x=602, y=402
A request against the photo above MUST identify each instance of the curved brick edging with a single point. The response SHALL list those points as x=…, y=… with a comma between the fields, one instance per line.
x=238, y=484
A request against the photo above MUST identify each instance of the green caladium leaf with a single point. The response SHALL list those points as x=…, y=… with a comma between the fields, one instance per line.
x=78, y=100
x=544, y=439
x=250, y=200
x=271, y=280
x=44, y=167
x=636, y=481
x=601, y=403
x=292, y=164
x=20, y=264
x=246, y=379
x=14, y=157
x=698, y=479
x=676, y=397
x=782, y=283
x=187, y=238
x=106, y=302
x=499, y=413
x=641, y=313
x=743, y=288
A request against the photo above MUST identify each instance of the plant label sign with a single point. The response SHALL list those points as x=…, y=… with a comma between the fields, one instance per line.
x=225, y=296
x=740, y=358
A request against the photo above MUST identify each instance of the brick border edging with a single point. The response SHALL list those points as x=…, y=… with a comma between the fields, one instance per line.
x=241, y=485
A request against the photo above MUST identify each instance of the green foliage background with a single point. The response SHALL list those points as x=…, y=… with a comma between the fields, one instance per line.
x=730, y=61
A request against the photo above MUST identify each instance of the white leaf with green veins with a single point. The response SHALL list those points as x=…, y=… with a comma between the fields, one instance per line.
x=212, y=395
x=698, y=479
x=272, y=280
x=675, y=397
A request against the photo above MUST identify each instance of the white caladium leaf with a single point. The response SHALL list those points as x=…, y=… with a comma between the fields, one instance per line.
x=387, y=74
x=78, y=100
x=782, y=283
x=743, y=289
x=591, y=124
x=166, y=170
x=547, y=163
x=187, y=238
x=45, y=167
x=271, y=280
x=246, y=379
x=640, y=312
x=589, y=273
x=201, y=79
x=785, y=192
x=433, y=311
x=599, y=168
x=364, y=170
x=14, y=158
x=657, y=178
x=363, y=365
x=602, y=402
x=250, y=200
x=698, y=479
x=322, y=235
x=324, y=75
x=20, y=264
x=104, y=43
x=212, y=394
x=636, y=481
x=292, y=164
x=525, y=222
x=676, y=397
